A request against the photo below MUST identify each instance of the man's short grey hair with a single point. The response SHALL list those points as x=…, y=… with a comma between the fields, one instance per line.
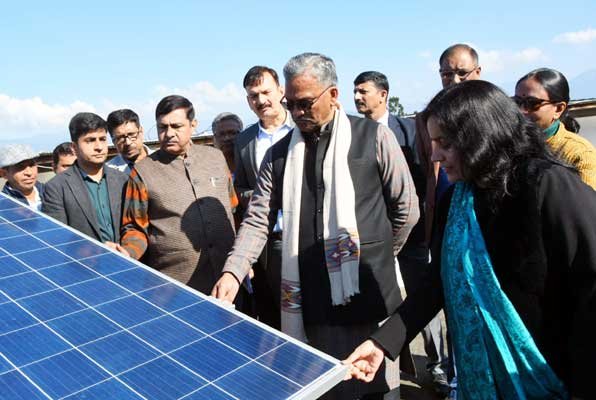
x=224, y=116
x=317, y=65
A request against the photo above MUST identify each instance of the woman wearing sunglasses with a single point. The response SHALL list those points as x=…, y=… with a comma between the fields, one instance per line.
x=514, y=259
x=543, y=97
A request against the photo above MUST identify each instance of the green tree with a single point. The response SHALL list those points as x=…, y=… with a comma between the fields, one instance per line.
x=395, y=107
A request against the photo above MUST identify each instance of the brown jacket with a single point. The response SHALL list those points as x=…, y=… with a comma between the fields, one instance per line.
x=191, y=228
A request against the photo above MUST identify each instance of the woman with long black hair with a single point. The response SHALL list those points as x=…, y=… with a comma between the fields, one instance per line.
x=543, y=97
x=514, y=263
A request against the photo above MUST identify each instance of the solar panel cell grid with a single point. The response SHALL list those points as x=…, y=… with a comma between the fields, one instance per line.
x=80, y=322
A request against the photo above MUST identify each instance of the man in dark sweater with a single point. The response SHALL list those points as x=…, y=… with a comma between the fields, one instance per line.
x=349, y=204
x=371, y=91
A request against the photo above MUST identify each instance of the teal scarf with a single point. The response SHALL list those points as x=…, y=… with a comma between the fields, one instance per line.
x=495, y=355
x=552, y=129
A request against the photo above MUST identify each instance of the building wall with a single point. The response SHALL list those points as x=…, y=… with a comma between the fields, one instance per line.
x=588, y=128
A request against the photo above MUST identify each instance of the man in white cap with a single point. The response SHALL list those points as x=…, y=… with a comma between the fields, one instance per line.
x=18, y=165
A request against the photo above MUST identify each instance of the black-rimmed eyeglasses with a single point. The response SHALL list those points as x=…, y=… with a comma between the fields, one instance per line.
x=132, y=136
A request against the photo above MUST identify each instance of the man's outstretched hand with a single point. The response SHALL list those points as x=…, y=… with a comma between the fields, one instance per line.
x=364, y=362
x=226, y=288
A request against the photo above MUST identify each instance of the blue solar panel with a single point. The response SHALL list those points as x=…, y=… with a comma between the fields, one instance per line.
x=78, y=321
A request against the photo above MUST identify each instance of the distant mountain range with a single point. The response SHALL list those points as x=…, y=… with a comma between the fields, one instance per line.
x=584, y=85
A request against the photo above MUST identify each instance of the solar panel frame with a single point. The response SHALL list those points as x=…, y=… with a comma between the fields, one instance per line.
x=22, y=217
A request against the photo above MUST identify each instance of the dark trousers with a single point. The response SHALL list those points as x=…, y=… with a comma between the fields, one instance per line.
x=413, y=265
x=266, y=285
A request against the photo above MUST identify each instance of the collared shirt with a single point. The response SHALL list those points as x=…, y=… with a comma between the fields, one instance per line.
x=267, y=139
x=15, y=193
x=100, y=198
x=264, y=141
x=122, y=165
x=384, y=120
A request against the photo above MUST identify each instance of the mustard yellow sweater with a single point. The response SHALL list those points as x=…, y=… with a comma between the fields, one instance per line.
x=577, y=151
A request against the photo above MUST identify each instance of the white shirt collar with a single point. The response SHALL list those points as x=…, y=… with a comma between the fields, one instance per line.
x=384, y=120
x=287, y=124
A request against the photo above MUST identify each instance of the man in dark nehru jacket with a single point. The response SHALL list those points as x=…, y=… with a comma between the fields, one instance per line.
x=348, y=206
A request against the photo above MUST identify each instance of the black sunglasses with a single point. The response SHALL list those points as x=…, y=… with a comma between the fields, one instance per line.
x=530, y=103
x=450, y=73
x=303, y=104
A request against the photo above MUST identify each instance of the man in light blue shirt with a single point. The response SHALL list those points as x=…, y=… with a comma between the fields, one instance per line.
x=264, y=95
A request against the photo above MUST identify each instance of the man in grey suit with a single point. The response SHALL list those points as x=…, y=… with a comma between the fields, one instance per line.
x=87, y=196
x=264, y=95
x=371, y=91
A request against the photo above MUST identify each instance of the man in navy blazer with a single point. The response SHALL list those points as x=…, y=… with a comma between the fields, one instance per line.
x=264, y=95
x=88, y=196
x=371, y=91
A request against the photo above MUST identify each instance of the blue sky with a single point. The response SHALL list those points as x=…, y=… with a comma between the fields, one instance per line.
x=62, y=57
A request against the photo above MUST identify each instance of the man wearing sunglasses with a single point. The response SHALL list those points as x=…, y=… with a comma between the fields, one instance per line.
x=457, y=64
x=127, y=135
x=349, y=204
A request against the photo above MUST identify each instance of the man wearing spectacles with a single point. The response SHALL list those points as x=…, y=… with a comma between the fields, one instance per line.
x=457, y=64
x=127, y=135
x=349, y=204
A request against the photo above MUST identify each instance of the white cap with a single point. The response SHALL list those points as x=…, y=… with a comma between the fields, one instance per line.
x=12, y=154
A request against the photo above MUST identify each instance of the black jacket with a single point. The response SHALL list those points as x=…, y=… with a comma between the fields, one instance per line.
x=542, y=243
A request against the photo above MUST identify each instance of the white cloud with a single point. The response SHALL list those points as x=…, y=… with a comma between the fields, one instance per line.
x=33, y=116
x=501, y=60
x=425, y=54
x=528, y=55
x=579, y=37
x=206, y=97
x=209, y=100
x=22, y=119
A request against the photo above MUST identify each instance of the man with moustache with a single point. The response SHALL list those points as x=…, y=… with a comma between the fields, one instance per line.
x=371, y=92
x=18, y=165
x=349, y=204
x=264, y=96
x=225, y=127
x=87, y=196
x=177, y=214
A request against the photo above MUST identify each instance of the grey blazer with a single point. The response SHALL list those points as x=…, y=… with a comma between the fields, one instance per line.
x=245, y=175
x=67, y=199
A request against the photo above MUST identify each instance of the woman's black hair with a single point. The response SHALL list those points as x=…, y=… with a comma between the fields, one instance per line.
x=490, y=134
x=557, y=87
